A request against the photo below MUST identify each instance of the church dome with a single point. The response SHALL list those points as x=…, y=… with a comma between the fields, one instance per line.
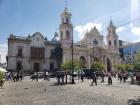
x=55, y=38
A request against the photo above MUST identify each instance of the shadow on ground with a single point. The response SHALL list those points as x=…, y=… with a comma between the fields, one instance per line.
x=59, y=84
x=135, y=101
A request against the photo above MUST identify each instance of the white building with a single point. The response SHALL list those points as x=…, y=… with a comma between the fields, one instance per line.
x=30, y=53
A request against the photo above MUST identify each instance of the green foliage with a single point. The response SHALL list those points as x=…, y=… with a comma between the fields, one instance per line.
x=123, y=67
x=57, y=54
x=98, y=66
x=68, y=65
x=1, y=75
x=119, y=66
x=137, y=64
x=128, y=67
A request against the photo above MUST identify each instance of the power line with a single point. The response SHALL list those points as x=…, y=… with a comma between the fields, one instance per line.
x=138, y=19
x=128, y=22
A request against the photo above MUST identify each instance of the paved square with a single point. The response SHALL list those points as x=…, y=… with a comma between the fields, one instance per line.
x=47, y=93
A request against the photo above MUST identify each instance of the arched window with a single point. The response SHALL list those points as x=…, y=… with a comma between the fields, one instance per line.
x=109, y=31
x=67, y=20
x=113, y=31
x=68, y=35
x=83, y=60
x=19, y=65
x=95, y=42
x=109, y=42
x=115, y=43
x=61, y=35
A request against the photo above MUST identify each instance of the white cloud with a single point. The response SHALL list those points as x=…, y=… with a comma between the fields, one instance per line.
x=82, y=29
x=3, y=52
x=135, y=30
x=120, y=29
x=138, y=40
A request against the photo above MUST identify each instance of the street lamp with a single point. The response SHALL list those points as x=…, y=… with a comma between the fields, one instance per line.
x=72, y=59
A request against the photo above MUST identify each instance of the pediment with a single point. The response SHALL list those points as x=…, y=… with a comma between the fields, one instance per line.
x=38, y=39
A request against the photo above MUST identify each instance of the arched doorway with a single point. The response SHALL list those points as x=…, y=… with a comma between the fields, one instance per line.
x=96, y=59
x=109, y=65
x=52, y=67
x=83, y=60
x=36, y=67
x=68, y=35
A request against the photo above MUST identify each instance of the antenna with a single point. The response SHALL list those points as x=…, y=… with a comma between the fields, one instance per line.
x=110, y=18
x=65, y=3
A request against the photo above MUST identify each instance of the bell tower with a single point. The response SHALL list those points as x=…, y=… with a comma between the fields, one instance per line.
x=66, y=28
x=112, y=37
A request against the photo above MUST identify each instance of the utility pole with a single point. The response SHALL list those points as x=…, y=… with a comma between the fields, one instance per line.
x=72, y=59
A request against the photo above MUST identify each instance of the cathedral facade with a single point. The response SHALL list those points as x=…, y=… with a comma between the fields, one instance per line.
x=91, y=48
x=32, y=53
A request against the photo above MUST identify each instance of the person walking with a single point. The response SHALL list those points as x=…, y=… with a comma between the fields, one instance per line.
x=82, y=77
x=94, y=79
x=109, y=79
x=14, y=77
x=120, y=76
x=102, y=77
x=124, y=77
x=20, y=76
x=62, y=78
x=36, y=76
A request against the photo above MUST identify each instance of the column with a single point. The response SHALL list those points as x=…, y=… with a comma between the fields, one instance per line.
x=89, y=63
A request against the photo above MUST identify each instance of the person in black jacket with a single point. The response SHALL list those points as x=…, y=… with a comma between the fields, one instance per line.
x=94, y=79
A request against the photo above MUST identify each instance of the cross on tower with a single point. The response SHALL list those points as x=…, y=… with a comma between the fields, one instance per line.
x=65, y=3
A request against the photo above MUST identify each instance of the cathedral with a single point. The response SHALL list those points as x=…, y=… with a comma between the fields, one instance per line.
x=32, y=53
x=91, y=48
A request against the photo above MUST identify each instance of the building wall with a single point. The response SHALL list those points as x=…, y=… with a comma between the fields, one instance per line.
x=37, y=41
x=128, y=53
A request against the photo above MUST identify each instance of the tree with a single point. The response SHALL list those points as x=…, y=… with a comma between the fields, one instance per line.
x=1, y=78
x=57, y=54
x=119, y=66
x=68, y=65
x=1, y=75
x=98, y=66
x=137, y=63
x=128, y=67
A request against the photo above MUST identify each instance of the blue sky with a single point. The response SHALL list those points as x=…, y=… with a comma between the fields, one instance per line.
x=23, y=17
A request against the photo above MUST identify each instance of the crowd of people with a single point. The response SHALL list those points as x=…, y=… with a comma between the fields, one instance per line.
x=122, y=77
x=62, y=77
x=15, y=76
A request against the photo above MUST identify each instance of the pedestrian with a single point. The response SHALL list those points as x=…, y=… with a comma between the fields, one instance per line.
x=62, y=78
x=17, y=77
x=20, y=76
x=36, y=76
x=14, y=77
x=94, y=79
x=120, y=76
x=58, y=78
x=82, y=77
x=109, y=79
x=45, y=75
x=102, y=77
x=132, y=77
x=124, y=77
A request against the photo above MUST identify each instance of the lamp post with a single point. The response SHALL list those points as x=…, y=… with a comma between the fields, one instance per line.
x=72, y=59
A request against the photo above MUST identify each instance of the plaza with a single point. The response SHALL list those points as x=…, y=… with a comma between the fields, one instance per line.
x=48, y=47
x=45, y=92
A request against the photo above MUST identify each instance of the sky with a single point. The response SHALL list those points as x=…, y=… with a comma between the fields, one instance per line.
x=24, y=17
